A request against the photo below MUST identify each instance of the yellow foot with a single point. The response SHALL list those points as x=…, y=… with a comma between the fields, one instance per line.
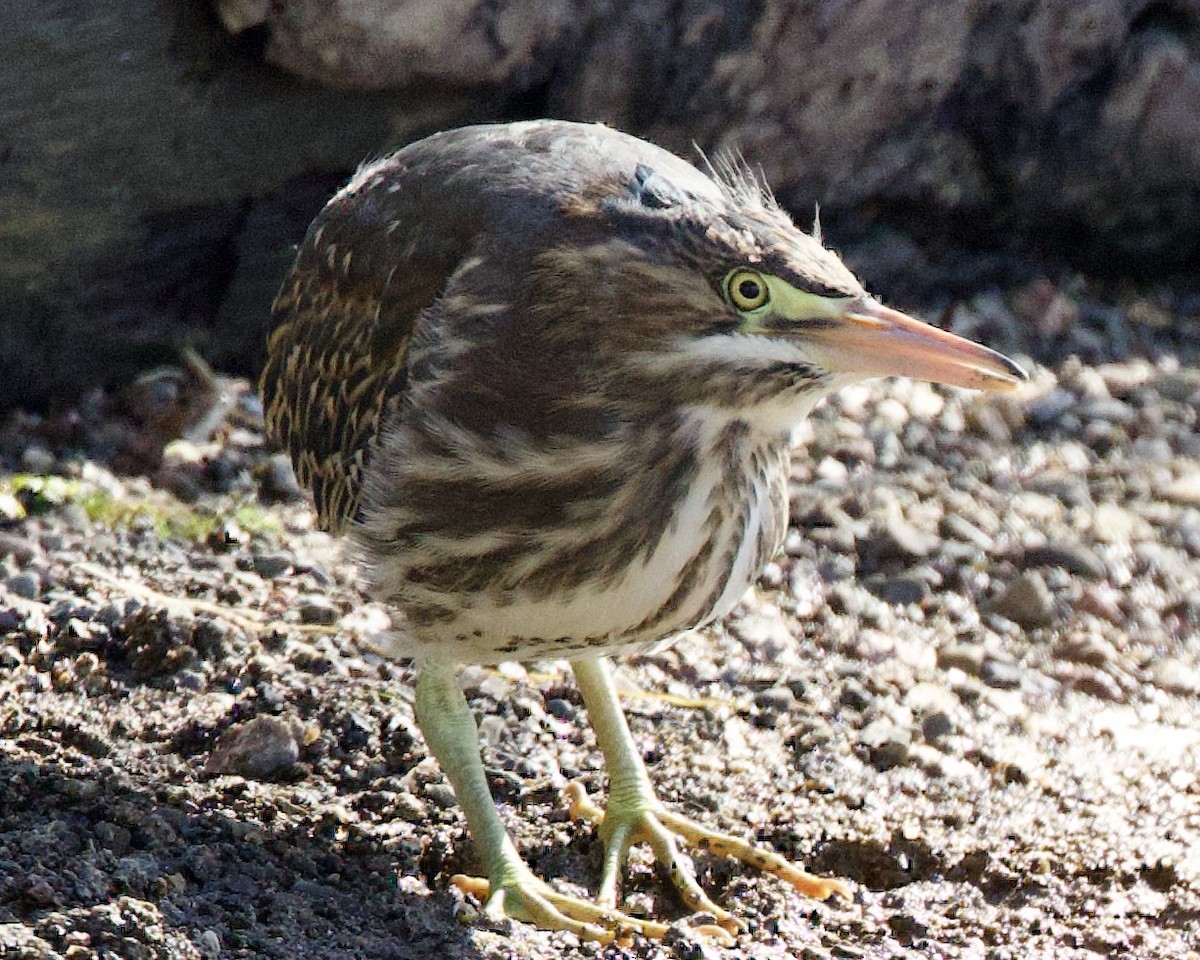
x=527, y=898
x=648, y=822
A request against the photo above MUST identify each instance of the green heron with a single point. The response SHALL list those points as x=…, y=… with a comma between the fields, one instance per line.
x=544, y=375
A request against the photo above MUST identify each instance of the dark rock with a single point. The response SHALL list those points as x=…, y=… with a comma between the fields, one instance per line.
x=21, y=549
x=1072, y=557
x=24, y=585
x=775, y=699
x=264, y=748
x=319, y=610
x=1032, y=128
x=562, y=709
x=279, y=479
x=936, y=725
x=898, y=590
x=887, y=743
x=271, y=565
x=1026, y=601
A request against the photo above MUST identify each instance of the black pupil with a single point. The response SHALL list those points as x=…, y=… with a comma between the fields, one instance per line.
x=749, y=289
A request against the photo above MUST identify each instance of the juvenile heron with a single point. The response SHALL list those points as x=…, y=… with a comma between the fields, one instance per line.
x=544, y=374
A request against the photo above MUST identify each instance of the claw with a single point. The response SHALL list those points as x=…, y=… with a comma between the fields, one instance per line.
x=620, y=828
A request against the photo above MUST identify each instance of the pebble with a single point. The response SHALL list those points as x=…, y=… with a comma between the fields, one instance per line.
x=887, y=743
x=1176, y=676
x=1073, y=557
x=1051, y=406
x=442, y=795
x=1026, y=601
x=1107, y=409
x=956, y=527
x=898, y=590
x=900, y=539
x=1183, y=490
x=279, y=480
x=37, y=459
x=21, y=549
x=775, y=699
x=967, y=657
x=562, y=709
x=1179, y=385
x=1000, y=674
x=271, y=565
x=936, y=725
x=24, y=585
x=1114, y=524
x=854, y=695
x=319, y=610
x=264, y=748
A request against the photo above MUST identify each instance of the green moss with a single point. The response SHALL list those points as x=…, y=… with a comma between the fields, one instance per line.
x=30, y=494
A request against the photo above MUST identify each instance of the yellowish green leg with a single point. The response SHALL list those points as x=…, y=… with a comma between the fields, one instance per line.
x=511, y=889
x=635, y=815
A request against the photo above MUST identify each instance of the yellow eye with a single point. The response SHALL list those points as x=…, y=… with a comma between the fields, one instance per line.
x=746, y=290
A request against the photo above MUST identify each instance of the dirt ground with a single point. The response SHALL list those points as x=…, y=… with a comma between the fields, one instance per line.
x=971, y=688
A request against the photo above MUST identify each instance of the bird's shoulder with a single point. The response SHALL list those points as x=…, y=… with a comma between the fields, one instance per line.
x=372, y=261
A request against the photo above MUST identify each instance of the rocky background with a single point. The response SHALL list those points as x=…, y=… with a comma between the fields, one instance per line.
x=157, y=160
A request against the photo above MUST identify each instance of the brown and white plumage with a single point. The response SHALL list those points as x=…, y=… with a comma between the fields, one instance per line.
x=544, y=374
x=433, y=379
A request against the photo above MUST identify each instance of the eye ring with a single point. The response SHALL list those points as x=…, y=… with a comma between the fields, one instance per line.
x=747, y=290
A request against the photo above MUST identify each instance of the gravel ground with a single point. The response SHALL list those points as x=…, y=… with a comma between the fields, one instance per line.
x=971, y=687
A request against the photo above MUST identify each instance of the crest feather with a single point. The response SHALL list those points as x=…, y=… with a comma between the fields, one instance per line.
x=744, y=183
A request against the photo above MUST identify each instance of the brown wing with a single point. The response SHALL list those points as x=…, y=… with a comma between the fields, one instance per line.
x=372, y=261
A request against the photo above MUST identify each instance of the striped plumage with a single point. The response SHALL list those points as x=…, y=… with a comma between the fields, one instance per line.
x=540, y=458
x=544, y=375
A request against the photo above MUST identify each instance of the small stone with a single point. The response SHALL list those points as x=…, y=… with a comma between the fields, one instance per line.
x=35, y=459
x=888, y=744
x=1072, y=557
x=210, y=944
x=936, y=725
x=1107, y=409
x=900, y=539
x=271, y=565
x=1114, y=524
x=1026, y=601
x=1179, y=385
x=562, y=709
x=1087, y=648
x=24, y=585
x=279, y=480
x=854, y=695
x=442, y=795
x=956, y=527
x=775, y=699
x=21, y=549
x=967, y=657
x=1184, y=490
x=1000, y=674
x=1049, y=407
x=319, y=610
x=898, y=590
x=1176, y=676
x=260, y=749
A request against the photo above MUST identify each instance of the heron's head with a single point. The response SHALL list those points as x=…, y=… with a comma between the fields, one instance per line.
x=702, y=287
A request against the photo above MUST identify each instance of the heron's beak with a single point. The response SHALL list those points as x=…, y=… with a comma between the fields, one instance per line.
x=872, y=340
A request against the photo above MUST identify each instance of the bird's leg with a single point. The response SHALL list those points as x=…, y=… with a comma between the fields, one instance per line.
x=635, y=815
x=510, y=889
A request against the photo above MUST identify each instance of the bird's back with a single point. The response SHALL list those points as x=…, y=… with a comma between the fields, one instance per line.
x=382, y=252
